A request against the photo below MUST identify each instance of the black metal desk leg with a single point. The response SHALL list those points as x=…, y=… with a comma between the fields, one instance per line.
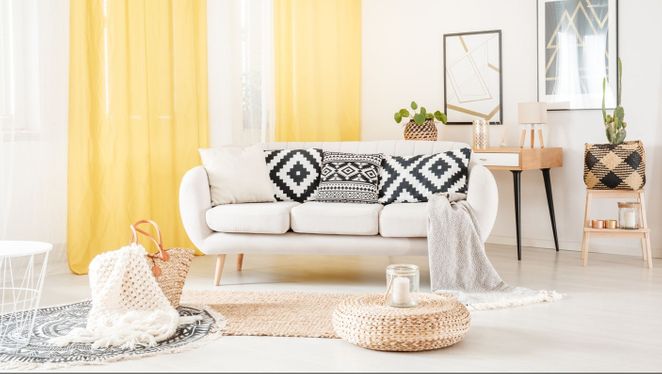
x=518, y=211
x=550, y=204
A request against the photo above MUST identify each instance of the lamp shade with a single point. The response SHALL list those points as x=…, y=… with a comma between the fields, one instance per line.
x=533, y=112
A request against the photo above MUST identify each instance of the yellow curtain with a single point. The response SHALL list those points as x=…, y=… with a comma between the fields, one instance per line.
x=317, y=49
x=137, y=116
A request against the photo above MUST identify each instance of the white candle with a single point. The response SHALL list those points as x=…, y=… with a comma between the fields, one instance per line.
x=629, y=220
x=400, y=291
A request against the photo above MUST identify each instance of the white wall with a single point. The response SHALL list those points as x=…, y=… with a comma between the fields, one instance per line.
x=33, y=169
x=403, y=61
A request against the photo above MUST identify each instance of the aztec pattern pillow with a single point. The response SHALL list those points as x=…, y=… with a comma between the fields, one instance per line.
x=294, y=173
x=349, y=178
x=414, y=179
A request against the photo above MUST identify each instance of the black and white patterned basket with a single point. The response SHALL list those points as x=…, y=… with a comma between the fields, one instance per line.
x=615, y=167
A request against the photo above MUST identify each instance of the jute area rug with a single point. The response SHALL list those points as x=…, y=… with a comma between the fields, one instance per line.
x=293, y=314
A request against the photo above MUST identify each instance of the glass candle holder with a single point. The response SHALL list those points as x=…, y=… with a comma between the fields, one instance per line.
x=402, y=281
x=627, y=215
x=481, y=134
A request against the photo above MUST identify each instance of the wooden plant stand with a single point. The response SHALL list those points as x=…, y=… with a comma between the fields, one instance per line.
x=643, y=232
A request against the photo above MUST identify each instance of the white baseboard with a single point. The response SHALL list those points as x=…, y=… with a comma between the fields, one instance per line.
x=602, y=247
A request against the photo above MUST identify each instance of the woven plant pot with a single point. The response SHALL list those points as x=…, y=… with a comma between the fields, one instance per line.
x=615, y=167
x=426, y=131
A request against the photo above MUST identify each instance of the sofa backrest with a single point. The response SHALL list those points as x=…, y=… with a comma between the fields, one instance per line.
x=387, y=147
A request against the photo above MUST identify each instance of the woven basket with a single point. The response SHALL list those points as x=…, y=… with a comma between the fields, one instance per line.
x=426, y=131
x=436, y=322
x=169, y=266
x=615, y=167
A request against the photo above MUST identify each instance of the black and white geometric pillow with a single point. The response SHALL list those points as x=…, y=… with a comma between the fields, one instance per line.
x=295, y=173
x=349, y=178
x=414, y=179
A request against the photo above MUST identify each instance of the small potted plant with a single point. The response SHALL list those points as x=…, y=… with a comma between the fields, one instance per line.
x=618, y=164
x=421, y=124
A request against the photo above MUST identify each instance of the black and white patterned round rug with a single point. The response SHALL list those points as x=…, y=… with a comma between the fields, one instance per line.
x=57, y=321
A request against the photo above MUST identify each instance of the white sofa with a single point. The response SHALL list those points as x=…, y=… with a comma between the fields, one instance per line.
x=324, y=228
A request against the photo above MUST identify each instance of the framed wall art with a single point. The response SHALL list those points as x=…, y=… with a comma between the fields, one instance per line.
x=473, y=80
x=577, y=48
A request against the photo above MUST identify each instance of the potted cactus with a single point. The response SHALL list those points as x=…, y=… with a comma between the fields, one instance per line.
x=614, y=123
x=618, y=164
x=421, y=124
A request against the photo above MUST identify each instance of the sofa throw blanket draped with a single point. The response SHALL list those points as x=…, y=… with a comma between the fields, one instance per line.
x=128, y=308
x=458, y=263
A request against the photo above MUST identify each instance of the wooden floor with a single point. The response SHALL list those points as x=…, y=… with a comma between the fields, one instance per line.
x=610, y=320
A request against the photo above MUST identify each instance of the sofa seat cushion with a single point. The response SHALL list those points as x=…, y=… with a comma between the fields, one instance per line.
x=404, y=220
x=257, y=218
x=336, y=218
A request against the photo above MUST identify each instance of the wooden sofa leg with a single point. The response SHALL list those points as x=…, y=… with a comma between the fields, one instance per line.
x=240, y=261
x=220, y=261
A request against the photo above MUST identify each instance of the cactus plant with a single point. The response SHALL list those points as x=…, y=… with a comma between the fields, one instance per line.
x=420, y=117
x=614, y=123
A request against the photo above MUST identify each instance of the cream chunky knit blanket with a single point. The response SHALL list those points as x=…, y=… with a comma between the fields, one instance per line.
x=128, y=307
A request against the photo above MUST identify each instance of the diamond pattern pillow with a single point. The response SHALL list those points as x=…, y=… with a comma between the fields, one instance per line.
x=295, y=173
x=414, y=179
x=349, y=178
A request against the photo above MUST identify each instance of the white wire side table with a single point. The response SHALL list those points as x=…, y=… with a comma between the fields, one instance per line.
x=22, y=271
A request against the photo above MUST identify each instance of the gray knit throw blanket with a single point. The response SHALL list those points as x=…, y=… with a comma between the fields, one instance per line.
x=458, y=263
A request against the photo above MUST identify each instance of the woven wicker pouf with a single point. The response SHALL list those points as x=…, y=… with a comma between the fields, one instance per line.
x=436, y=322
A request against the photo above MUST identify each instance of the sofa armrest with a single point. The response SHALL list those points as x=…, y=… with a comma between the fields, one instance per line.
x=483, y=196
x=194, y=201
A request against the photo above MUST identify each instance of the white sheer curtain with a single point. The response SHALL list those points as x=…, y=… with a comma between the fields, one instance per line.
x=240, y=44
x=33, y=118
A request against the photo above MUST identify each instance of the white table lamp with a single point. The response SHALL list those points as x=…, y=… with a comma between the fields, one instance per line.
x=533, y=114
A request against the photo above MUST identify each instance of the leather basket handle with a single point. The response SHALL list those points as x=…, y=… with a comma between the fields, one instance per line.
x=158, y=240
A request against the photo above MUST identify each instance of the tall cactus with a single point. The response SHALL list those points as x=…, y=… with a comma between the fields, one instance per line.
x=614, y=124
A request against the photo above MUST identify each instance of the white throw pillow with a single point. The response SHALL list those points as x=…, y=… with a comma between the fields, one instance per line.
x=237, y=175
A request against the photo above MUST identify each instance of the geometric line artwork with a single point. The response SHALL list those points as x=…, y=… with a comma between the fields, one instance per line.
x=576, y=50
x=473, y=81
x=485, y=116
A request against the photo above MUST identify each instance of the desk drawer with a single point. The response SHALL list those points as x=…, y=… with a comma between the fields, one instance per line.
x=496, y=159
